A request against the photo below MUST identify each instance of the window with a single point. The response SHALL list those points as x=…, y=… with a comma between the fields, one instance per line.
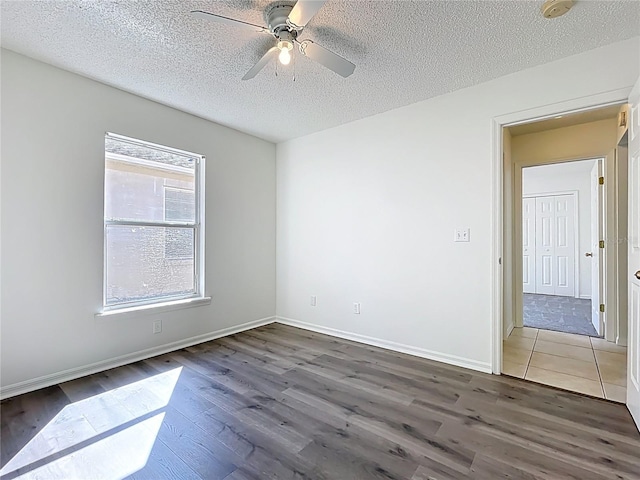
x=153, y=212
x=178, y=205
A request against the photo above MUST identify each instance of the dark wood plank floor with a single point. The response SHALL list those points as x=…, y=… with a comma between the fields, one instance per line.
x=279, y=402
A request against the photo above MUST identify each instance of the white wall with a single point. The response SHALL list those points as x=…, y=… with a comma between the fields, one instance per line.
x=367, y=211
x=563, y=177
x=53, y=126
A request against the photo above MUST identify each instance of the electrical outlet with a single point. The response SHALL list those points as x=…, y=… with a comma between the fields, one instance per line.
x=314, y=300
x=461, y=235
x=356, y=308
x=157, y=326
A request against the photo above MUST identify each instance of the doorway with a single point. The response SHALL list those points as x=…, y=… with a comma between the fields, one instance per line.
x=561, y=227
x=558, y=323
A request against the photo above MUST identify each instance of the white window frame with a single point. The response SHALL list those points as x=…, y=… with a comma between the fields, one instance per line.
x=197, y=226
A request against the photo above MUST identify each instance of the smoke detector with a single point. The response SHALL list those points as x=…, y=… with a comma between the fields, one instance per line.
x=556, y=8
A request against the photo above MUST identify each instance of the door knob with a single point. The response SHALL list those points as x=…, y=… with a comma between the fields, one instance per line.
x=638, y=274
x=588, y=254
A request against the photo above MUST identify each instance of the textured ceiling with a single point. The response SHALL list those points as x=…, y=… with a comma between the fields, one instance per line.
x=404, y=51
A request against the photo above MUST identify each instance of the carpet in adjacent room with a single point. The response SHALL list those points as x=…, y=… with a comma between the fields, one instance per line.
x=561, y=314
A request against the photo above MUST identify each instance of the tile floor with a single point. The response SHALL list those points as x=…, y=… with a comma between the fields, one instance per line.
x=578, y=363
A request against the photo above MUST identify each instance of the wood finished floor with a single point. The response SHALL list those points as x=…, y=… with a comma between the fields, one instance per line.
x=279, y=402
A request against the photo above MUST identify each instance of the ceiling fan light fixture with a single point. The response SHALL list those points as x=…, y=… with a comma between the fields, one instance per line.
x=284, y=57
x=285, y=47
x=286, y=20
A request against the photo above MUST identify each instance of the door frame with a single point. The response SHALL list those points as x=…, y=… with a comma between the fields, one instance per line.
x=576, y=233
x=516, y=219
x=499, y=194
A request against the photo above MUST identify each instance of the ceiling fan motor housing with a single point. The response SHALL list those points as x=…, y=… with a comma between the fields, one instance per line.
x=276, y=16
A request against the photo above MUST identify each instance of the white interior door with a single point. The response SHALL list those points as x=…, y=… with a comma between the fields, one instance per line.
x=564, y=246
x=597, y=264
x=555, y=245
x=544, y=245
x=633, y=346
x=529, y=245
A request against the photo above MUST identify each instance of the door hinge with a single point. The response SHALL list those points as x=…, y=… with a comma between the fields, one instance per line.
x=602, y=307
x=601, y=180
x=601, y=243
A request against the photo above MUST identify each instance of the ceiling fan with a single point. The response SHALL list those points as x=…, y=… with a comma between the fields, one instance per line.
x=286, y=20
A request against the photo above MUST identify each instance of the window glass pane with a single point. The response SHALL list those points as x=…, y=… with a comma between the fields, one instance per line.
x=178, y=243
x=148, y=262
x=137, y=178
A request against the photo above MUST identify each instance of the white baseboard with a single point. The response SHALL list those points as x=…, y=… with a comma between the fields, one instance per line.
x=73, y=373
x=510, y=328
x=585, y=297
x=396, y=347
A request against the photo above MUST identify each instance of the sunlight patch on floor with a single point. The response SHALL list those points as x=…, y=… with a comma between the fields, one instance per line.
x=108, y=436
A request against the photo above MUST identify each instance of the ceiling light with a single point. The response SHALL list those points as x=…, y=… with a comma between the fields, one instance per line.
x=284, y=57
x=285, y=47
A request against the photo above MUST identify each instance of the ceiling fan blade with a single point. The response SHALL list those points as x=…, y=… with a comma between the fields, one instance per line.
x=227, y=20
x=326, y=58
x=261, y=63
x=303, y=11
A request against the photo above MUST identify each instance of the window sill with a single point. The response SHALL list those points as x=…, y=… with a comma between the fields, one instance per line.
x=154, y=308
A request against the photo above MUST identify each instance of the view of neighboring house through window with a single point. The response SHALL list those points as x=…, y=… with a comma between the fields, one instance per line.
x=152, y=213
x=179, y=205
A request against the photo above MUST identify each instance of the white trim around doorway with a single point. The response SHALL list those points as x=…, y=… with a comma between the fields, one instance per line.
x=590, y=102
